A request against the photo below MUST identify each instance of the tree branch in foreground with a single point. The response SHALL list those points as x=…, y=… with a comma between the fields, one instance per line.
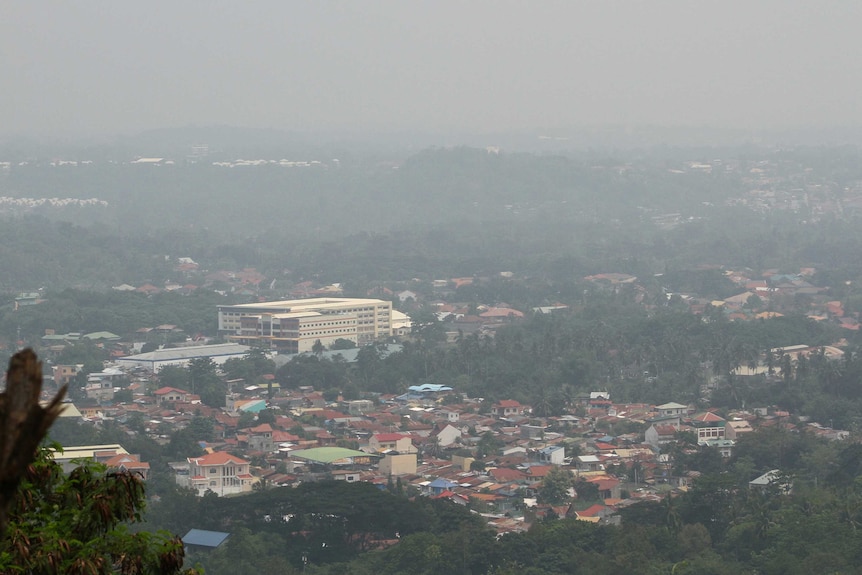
x=23, y=424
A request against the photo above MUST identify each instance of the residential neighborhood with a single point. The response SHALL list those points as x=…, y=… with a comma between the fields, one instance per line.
x=436, y=440
x=634, y=365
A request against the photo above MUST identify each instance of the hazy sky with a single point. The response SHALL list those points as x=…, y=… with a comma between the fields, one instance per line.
x=441, y=66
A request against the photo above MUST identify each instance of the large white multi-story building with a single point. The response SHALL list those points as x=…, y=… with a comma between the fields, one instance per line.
x=294, y=326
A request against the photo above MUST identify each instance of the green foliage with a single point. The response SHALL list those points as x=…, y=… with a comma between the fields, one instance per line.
x=83, y=352
x=79, y=523
x=183, y=444
x=206, y=382
x=555, y=486
x=314, y=371
x=348, y=518
x=249, y=368
x=174, y=376
x=266, y=416
x=342, y=343
x=488, y=445
x=74, y=310
x=201, y=428
x=318, y=348
x=586, y=491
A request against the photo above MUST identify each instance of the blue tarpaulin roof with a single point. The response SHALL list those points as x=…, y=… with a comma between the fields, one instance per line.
x=205, y=538
x=429, y=387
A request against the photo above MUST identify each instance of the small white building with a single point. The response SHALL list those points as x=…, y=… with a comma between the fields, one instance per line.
x=672, y=410
x=447, y=435
x=553, y=454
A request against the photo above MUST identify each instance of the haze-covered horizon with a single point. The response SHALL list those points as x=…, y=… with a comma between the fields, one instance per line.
x=97, y=69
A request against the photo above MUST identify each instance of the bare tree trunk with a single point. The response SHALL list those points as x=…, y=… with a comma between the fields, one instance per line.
x=23, y=424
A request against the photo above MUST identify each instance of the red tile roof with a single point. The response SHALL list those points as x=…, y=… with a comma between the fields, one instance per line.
x=591, y=511
x=707, y=417
x=506, y=474
x=604, y=482
x=507, y=403
x=389, y=436
x=167, y=390
x=217, y=458
x=539, y=470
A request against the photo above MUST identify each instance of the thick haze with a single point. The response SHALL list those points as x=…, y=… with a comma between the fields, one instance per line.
x=87, y=68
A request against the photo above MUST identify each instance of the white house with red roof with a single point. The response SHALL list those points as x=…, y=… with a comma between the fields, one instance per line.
x=219, y=472
x=171, y=395
x=671, y=410
x=507, y=408
x=129, y=462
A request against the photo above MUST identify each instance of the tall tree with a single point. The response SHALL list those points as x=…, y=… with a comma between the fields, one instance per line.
x=23, y=423
x=53, y=522
x=555, y=486
x=205, y=381
x=77, y=524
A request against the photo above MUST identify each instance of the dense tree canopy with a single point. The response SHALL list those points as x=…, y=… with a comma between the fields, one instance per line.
x=78, y=523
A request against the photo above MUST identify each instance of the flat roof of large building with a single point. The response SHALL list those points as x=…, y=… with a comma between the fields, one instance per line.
x=88, y=451
x=289, y=314
x=308, y=303
x=327, y=454
x=191, y=352
x=297, y=314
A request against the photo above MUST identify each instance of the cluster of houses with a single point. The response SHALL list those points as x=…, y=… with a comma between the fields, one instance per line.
x=432, y=441
x=768, y=294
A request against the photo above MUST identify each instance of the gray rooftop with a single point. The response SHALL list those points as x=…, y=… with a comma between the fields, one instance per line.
x=205, y=538
x=180, y=353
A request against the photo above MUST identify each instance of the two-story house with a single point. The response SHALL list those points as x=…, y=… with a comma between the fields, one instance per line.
x=63, y=374
x=553, y=455
x=671, y=410
x=171, y=395
x=507, y=408
x=129, y=462
x=100, y=390
x=737, y=427
x=391, y=442
x=658, y=435
x=219, y=472
x=709, y=426
x=260, y=438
